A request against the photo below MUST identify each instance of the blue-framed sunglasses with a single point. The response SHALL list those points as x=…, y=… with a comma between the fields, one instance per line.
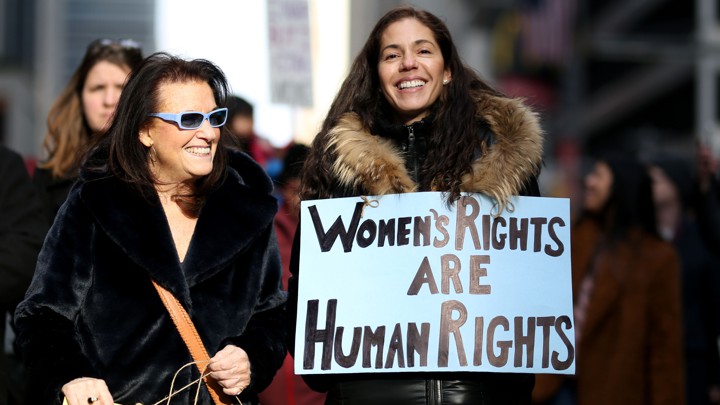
x=194, y=119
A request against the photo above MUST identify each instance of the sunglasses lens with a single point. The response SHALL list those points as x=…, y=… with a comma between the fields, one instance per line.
x=217, y=118
x=191, y=120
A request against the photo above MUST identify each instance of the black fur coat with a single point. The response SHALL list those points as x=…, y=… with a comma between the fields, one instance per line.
x=92, y=311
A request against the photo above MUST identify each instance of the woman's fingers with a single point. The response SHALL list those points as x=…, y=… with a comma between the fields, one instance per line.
x=87, y=391
x=231, y=368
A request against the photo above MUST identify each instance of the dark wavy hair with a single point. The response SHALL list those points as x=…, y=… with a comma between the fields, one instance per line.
x=630, y=204
x=454, y=139
x=120, y=153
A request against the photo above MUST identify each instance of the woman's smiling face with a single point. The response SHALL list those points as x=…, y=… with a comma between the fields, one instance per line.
x=411, y=69
x=182, y=154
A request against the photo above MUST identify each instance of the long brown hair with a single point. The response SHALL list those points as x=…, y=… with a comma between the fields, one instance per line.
x=454, y=139
x=69, y=135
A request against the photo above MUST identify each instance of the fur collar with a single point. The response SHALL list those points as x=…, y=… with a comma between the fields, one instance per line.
x=375, y=164
x=232, y=218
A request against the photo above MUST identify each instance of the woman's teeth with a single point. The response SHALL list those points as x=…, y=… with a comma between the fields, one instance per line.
x=199, y=150
x=411, y=83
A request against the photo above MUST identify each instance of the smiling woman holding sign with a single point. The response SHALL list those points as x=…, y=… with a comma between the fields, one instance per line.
x=163, y=219
x=412, y=117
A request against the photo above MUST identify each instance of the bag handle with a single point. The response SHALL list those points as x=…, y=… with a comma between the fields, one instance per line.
x=192, y=340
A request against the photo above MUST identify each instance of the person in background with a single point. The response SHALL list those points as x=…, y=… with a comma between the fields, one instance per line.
x=160, y=200
x=22, y=229
x=706, y=198
x=241, y=123
x=288, y=388
x=626, y=291
x=288, y=216
x=700, y=274
x=82, y=112
x=411, y=116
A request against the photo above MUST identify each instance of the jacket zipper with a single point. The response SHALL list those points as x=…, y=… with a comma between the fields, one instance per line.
x=434, y=392
x=413, y=152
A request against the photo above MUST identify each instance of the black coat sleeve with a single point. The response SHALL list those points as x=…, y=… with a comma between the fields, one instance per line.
x=22, y=228
x=264, y=337
x=293, y=291
x=44, y=319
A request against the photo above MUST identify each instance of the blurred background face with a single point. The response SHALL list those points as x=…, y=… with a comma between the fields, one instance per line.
x=101, y=92
x=411, y=69
x=182, y=154
x=241, y=126
x=291, y=196
x=598, y=186
x=668, y=207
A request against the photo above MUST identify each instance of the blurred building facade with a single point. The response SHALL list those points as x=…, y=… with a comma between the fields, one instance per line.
x=634, y=75
x=631, y=74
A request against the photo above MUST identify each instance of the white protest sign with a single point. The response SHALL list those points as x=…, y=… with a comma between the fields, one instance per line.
x=290, y=55
x=404, y=283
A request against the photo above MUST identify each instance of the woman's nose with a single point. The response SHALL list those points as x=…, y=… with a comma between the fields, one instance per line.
x=112, y=96
x=408, y=62
x=206, y=131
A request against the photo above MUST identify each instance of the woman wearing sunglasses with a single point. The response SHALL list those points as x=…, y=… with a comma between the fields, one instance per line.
x=82, y=112
x=159, y=199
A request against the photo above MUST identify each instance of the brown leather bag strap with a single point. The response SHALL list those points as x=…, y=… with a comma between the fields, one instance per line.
x=192, y=340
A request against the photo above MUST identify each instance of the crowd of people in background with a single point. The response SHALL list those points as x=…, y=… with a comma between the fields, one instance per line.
x=645, y=243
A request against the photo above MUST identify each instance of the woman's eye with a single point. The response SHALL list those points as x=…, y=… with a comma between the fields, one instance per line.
x=390, y=56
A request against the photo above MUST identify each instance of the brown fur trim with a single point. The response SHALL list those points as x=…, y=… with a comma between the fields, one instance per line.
x=516, y=154
x=377, y=165
x=370, y=161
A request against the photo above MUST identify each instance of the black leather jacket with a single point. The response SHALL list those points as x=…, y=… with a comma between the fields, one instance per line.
x=412, y=140
x=433, y=389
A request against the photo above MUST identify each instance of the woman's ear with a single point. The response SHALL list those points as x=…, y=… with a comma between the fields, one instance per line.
x=145, y=137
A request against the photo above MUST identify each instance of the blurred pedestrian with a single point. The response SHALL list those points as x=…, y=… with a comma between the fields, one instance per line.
x=700, y=275
x=288, y=388
x=241, y=124
x=22, y=229
x=83, y=111
x=288, y=216
x=626, y=288
x=706, y=200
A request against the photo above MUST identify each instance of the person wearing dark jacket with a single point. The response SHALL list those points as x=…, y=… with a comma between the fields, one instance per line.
x=699, y=275
x=22, y=229
x=81, y=113
x=411, y=117
x=159, y=199
x=706, y=197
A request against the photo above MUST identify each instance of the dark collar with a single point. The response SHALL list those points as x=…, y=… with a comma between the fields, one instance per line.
x=399, y=132
x=232, y=217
